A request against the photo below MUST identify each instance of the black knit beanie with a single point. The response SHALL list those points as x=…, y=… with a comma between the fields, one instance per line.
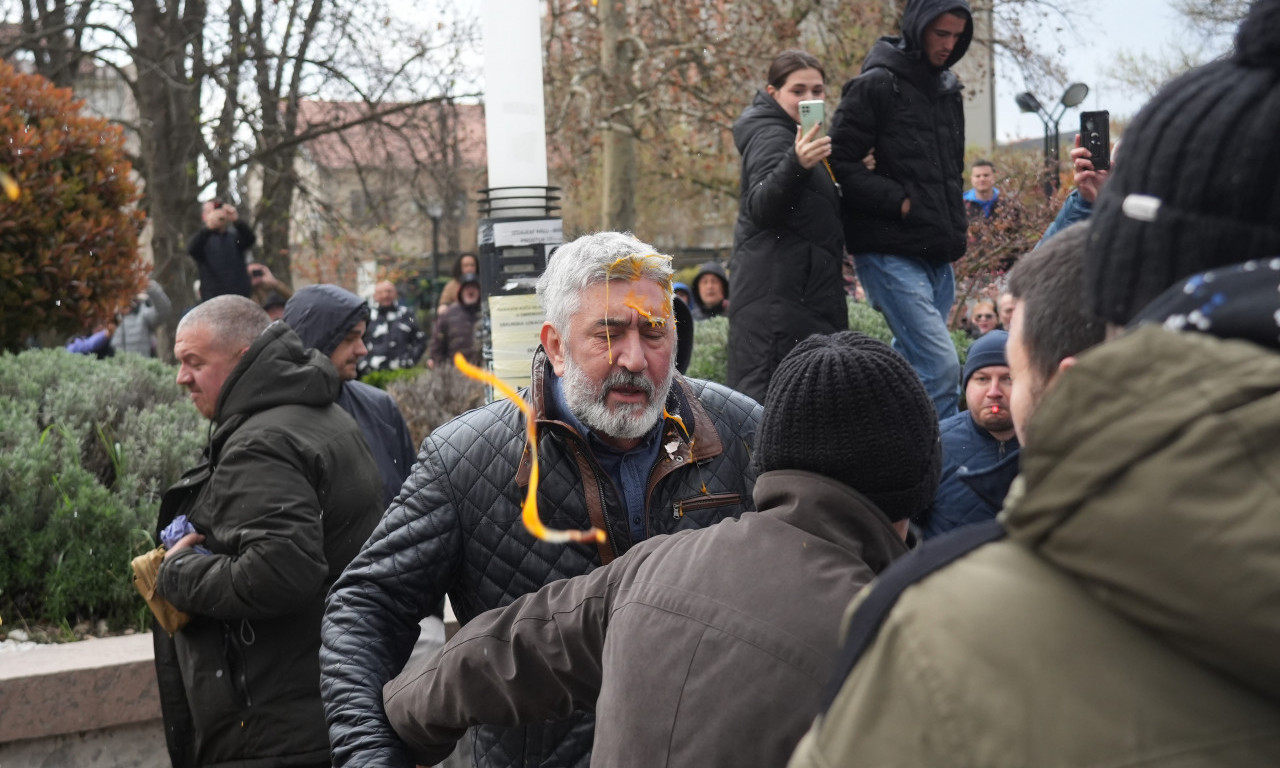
x=1198, y=183
x=849, y=407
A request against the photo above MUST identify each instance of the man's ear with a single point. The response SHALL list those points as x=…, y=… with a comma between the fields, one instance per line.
x=1064, y=365
x=554, y=343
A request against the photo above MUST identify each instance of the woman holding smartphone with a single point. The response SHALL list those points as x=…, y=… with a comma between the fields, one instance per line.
x=787, y=278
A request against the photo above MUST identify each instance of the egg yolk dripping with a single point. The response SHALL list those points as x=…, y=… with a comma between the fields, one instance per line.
x=529, y=511
x=631, y=269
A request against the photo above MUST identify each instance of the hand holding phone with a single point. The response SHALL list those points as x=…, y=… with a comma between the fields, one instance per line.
x=1095, y=136
x=813, y=112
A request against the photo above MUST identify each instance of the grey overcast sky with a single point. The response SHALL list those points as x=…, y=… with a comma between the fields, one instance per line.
x=1136, y=26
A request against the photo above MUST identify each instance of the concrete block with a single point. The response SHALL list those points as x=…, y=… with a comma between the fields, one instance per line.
x=75, y=687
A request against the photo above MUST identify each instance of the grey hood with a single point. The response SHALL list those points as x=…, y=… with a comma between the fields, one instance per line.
x=322, y=315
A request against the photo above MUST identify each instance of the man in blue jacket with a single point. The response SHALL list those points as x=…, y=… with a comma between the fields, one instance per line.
x=979, y=448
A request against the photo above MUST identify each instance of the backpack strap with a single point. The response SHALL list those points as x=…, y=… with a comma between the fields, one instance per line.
x=917, y=564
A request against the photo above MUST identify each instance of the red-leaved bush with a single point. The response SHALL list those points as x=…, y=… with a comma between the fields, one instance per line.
x=69, y=241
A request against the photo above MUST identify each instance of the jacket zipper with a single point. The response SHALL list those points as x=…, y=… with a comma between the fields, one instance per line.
x=679, y=507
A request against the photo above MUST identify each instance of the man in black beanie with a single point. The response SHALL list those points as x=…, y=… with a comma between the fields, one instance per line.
x=1124, y=609
x=1197, y=188
x=979, y=447
x=710, y=647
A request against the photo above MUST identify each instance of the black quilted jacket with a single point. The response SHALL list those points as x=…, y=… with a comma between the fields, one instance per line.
x=460, y=533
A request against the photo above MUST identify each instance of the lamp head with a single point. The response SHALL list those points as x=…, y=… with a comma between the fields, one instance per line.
x=1028, y=102
x=1074, y=94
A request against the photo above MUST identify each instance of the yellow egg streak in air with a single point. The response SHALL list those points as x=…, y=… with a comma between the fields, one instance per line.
x=529, y=512
x=11, y=188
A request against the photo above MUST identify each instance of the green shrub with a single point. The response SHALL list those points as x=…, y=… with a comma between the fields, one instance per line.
x=865, y=319
x=710, y=358
x=384, y=379
x=87, y=447
x=433, y=396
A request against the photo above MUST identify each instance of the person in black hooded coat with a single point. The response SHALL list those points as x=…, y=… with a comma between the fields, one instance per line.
x=787, y=281
x=324, y=316
x=905, y=222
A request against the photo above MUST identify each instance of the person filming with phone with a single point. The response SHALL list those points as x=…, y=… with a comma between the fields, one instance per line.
x=219, y=249
x=1090, y=172
x=785, y=277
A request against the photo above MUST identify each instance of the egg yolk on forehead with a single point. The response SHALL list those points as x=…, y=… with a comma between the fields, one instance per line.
x=632, y=269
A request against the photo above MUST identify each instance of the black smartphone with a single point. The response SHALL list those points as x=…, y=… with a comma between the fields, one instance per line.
x=256, y=272
x=1095, y=136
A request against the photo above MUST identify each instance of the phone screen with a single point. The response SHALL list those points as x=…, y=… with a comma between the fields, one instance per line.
x=813, y=113
x=1095, y=136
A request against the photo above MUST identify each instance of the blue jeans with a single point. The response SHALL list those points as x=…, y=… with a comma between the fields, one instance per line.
x=915, y=296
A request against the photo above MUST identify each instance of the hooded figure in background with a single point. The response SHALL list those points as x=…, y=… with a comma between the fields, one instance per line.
x=455, y=330
x=710, y=296
x=332, y=320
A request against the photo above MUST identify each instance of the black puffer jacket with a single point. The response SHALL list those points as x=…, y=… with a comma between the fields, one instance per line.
x=286, y=494
x=912, y=115
x=460, y=533
x=787, y=281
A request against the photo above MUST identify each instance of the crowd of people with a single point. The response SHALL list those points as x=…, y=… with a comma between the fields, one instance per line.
x=1061, y=552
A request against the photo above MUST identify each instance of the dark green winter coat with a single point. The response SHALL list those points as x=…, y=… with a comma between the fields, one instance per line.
x=1132, y=615
x=286, y=494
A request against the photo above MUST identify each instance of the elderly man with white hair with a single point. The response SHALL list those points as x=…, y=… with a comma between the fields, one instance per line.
x=625, y=443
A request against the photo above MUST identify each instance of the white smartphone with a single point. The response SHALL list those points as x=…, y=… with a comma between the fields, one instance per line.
x=813, y=113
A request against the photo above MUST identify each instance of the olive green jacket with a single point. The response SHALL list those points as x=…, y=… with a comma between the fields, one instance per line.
x=1131, y=617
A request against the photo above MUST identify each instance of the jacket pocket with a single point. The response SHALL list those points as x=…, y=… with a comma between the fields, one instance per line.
x=701, y=511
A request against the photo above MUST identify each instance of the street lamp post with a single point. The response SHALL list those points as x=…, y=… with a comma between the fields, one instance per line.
x=435, y=209
x=1027, y=102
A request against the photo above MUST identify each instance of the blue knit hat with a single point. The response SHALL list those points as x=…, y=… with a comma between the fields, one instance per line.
x=988, y=350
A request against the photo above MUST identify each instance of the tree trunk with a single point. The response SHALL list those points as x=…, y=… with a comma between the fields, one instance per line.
x=167, y=91
x=273, y=212
x=618, y=211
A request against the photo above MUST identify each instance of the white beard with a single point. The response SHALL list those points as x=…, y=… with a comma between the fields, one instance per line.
x=625, y=422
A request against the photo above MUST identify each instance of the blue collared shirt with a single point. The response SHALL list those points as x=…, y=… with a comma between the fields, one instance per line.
x=628, y=469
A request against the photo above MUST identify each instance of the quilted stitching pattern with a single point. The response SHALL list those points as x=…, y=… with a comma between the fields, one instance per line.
x=459, y=533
